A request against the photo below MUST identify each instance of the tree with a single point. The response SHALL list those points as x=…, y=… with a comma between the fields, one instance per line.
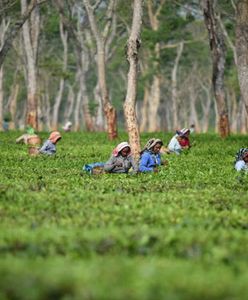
x=218, y=51
x=14, y=29
x=100, y=38
x=31, y=30
x=133, y=45
x=242, y=48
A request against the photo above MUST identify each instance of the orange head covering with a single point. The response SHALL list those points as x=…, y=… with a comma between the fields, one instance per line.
x=54, y=136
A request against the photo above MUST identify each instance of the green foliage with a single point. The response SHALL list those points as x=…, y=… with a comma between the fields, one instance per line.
x=177, y=234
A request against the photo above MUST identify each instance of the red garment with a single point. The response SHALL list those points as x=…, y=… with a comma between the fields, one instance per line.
x=184, y=142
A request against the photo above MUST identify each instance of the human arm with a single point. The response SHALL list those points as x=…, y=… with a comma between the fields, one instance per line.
x=174, y=145
x=145, y=165
x=48, y=148
x=240, y=165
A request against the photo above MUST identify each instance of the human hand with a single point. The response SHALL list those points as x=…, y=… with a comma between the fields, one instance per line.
x=164, y=163
x=155, y=170
x=119, y=164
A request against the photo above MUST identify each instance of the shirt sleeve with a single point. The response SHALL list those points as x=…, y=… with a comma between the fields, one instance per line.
x=48, y=148
x=144, y=162
x=110, y=164
x=174, y=145
x=134, y=165
x=240, y=165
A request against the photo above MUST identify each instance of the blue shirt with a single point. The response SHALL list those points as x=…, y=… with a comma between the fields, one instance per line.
x=48, y=148
x=148, y=161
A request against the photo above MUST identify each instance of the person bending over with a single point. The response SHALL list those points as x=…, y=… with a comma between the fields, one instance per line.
x=49, y=146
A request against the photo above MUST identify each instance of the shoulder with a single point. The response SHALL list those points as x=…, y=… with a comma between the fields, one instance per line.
x=145, y=154
x=239, y=165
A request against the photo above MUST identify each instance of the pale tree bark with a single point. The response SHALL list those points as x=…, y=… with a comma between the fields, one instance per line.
x=234, y=110
x=193, y=116
x=14, y=29
x=144, y=110
x=3, y=29
x=243, y=118
x=69, y=104
x=100, y=38
x=77, y=105
x=13, y=103
x=154, y=122
x=83, y=67
x=133, y=45
x=1, y=98
x=174, y=93
x=205, y=106
x=217, y=47
x=242, y=48
x=31, y=29
x=58, y=98
x=99, y=119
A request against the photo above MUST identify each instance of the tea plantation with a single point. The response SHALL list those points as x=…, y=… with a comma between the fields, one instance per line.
x=181, y=233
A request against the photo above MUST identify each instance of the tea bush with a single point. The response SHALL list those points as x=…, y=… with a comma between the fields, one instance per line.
x=177, y=234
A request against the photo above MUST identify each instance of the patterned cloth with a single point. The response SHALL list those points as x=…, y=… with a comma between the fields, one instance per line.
x=241, y=154
x=148, y=159
x=48, y=148
x=118, y=163
x=120, y=147
x=150, y=144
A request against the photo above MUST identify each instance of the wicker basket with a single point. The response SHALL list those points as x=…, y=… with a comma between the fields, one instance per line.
x=33, y=151
x=34, y=140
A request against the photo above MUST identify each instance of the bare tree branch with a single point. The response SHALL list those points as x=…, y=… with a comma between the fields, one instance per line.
x=12, y=32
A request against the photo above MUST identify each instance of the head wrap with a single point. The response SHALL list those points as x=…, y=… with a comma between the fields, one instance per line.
x=54, y=136
x=67, y=126
x=120, y=147
x=151, y=143
x=183, y=131
x=241, y=154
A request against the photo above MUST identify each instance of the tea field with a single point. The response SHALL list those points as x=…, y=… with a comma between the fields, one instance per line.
x=181, y=233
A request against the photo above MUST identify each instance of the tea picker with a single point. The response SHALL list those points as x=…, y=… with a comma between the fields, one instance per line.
x=49, y=146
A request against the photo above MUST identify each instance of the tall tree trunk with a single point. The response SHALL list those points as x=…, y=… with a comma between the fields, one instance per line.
x=69, y=104
x=154, y=122
x=218, y=51
x=174, y=96
x=234, y=104
x=14, y=29
x=31, y=30
x=193, y=117
x=58, y=99
x=1, y=98
x=99, y=117
x=77, y=105
x=242, y=48
x=12, y=104
x=100, y=37
x=133, y=45
x=3, y=29
x=144, y=110
x=206, y=108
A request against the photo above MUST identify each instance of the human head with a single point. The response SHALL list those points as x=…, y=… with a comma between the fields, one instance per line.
x=242, y=154
x=154, y=145
x=184, y=132
x=122, y=149
x=54, y=137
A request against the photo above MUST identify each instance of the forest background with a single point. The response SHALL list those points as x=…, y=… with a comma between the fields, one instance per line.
x=54, y=59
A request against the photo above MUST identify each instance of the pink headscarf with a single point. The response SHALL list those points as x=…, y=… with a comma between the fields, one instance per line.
x=121, y=146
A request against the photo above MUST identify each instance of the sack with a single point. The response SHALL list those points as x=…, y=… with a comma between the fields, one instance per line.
x=94, y=168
